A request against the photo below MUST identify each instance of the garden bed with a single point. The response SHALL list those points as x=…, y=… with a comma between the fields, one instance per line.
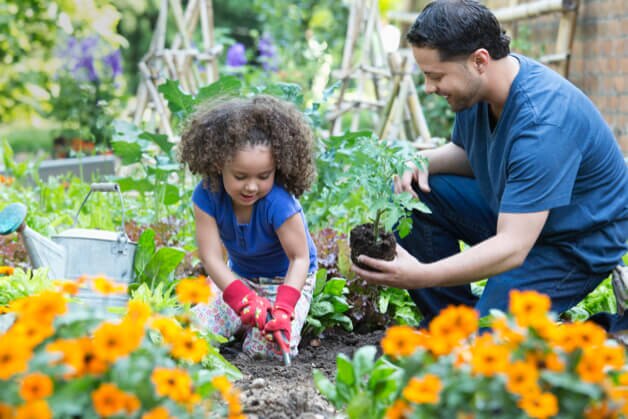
x=271, y=390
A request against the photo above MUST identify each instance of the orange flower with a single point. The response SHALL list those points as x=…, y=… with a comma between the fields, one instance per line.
x=37, y=409
x=173, y=383
x=6, y=270
x=189, y=346
x=68, y=287
x=6, y=411
x=488, y=358
x=522, y=377
x=539, y=405
x=222, y=384
x=112, y=341
x=14, y=355
x=6, y=180
x=401, y=341
x=42, y=307
x=35, y=386
x=193, y=290
x=106, y=286
x=613, y=356
x=587, y=334
x=131, y=404
x=157, y=413
x=108, y=399
x=510, y=335
x=458, y=322
x=600, y=411
x=553, y=362
x=398, y=410
x=423, y=390
x=591, y=366
x=528, y=306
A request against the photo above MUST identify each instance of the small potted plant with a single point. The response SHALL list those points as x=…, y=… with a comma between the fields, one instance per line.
x=356, y=182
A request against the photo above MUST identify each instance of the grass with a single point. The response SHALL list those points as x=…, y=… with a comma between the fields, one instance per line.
x=28, y=139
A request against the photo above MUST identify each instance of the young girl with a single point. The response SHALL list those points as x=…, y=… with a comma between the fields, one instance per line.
x=256, y=157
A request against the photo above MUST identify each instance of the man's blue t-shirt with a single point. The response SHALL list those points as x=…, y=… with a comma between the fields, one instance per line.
x=552, y=150
x=254, y=248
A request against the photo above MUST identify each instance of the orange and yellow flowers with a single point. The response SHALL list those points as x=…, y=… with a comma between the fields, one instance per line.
x=487, y=357
x=36, y=386
x=109, y=400
x=6, y=270
x=425, y=389
x=173, y=383
x=528, y=306
x=401, y=341
x=193, y=290
x=539, y=405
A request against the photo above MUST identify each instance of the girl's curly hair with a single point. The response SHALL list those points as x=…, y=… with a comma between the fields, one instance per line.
x=217, y=130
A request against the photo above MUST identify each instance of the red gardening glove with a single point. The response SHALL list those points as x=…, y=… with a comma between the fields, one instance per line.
x=282, y=315
x=251, y=308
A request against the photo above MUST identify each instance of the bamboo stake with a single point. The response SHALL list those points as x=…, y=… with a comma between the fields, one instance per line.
x=156, y=99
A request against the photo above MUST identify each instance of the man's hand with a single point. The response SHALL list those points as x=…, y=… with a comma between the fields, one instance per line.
x=404, y=182
x=404, y=271
x=250, y=307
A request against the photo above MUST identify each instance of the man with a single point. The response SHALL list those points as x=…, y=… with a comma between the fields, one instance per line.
x=533, y=179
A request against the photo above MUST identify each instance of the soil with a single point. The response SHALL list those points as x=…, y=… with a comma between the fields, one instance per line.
x=363, y=242
x=271, y=390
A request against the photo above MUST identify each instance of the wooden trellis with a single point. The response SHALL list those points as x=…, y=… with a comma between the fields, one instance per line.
x=191, y=65
x=568, y=10
x=383, y=82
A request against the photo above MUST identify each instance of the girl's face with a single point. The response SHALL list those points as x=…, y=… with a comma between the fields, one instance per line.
x=249, y=175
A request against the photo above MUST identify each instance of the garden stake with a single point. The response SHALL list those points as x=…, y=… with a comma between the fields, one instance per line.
x=280, y=338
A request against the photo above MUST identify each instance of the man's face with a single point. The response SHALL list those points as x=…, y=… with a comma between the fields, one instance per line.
x=454, y=80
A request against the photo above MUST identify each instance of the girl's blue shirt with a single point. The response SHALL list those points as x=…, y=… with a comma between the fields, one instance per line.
x=254, y=248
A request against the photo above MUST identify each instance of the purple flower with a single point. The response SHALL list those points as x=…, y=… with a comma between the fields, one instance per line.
x=114, y=61
x=236, y=55
x=267, y=53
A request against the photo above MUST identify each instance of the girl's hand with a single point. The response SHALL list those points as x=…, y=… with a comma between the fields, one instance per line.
x=283, y=313
x=252, y=309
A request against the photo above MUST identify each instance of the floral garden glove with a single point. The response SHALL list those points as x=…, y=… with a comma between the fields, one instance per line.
x=251, y=308
x=282, y=314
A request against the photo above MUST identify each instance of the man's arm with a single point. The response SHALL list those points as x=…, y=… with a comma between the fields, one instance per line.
x=516, y=235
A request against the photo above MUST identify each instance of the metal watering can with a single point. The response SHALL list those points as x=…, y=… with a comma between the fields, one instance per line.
x=78, y=251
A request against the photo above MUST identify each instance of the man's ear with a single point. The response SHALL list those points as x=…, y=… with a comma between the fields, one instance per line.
x=480, y=59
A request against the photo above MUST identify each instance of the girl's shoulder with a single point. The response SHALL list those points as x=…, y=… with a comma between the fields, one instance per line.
x=279, y=194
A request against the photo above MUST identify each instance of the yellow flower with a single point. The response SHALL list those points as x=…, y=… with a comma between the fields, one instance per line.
x=131, y=404
x=553, y=362
x=510, y=335
x=591, y=366
x=539, y=405
x=600, y=411
x=108, y=399
x=168, y=327
x=522, y=377
x=222, y=384
x=106, y=286
x=189, y=346
x=488, y=358
x=613, y=356
x=398, y=410
x=587, y=334
x=14, y=356
x=138, y=311
x=6, y=270
x=37, y=409
x=173, y=383
x=423, y=390
x=193, y=290
x=42, y=307
x=528, y=306
x=400, y=341
x=32, y=332
x=35, y=386
x=159, y=412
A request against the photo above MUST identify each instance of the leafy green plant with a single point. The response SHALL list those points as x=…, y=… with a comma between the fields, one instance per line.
x=364, y=386
x=154, y=266
x=328, y=306
x=22, y=283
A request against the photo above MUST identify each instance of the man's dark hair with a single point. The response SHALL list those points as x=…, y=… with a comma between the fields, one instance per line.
x=456, y=28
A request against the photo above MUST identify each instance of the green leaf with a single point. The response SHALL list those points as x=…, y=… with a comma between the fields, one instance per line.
x=345, y=373
x=128, y=152
x=360, y=406
x=225, y=86
x=171, y=194
x=335, y=286
x=321, y=308
x=325, y=386
x=145, y=250
x=363, y=360
x=179, y=102
x=321, y=279
x=160, y=140
x=162, y=265
x=130, y=184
